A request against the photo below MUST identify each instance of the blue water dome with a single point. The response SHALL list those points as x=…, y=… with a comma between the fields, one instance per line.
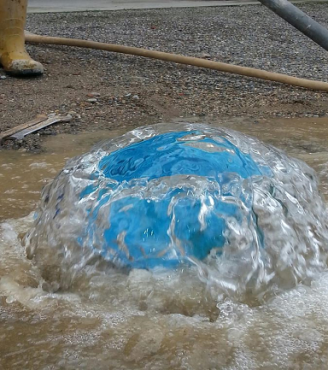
x=241, y=213
x=165, y=200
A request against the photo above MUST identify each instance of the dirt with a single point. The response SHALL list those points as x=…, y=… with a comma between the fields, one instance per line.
x=106, y=91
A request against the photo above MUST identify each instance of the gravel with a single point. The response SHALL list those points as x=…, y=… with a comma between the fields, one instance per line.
x=109, y=91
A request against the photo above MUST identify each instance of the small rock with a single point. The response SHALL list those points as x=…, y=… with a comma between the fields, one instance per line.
x=92, y=100
x=3, y=77
x=205, y=56
x=93, y=94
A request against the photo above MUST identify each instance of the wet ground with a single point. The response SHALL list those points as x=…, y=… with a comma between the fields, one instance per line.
x=169, y=320
x=141, y=321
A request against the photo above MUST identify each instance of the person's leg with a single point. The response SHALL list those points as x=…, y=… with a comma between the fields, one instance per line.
x=13, y=56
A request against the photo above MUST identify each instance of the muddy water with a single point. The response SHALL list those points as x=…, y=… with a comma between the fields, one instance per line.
x=305, y=139
x=23, y=175
x=146, y=321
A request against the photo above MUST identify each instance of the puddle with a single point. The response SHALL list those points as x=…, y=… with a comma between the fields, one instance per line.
x=23, y=175
x=305, y=139
x=143, y=321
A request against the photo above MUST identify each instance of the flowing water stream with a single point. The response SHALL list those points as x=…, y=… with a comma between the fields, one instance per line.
x=109, y=319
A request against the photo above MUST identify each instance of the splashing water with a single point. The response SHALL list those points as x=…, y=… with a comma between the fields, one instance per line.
x=240, y=213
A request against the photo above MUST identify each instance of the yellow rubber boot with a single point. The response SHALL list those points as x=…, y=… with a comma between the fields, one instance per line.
x=13, y=56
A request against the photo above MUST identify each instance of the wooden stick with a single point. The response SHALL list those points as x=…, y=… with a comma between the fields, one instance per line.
x=23, y=126
x=43, y=124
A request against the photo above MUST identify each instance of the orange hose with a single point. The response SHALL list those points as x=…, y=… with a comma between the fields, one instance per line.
x=175, y=58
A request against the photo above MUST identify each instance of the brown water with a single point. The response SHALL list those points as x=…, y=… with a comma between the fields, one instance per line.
x=305, y=139
x=23, y=175
x=142, y=321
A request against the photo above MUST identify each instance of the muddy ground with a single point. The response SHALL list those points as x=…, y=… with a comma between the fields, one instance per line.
x=106, y=91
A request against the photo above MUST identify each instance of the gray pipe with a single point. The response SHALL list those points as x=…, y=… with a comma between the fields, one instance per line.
x=299, y=20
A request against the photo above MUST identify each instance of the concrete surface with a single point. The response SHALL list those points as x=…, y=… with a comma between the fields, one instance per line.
x=45, y=6
x=55, y=6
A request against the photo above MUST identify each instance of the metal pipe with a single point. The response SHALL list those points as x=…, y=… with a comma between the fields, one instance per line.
x=299, y=20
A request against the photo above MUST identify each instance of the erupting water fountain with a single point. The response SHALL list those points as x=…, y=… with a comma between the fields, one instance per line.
x=167, y=197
